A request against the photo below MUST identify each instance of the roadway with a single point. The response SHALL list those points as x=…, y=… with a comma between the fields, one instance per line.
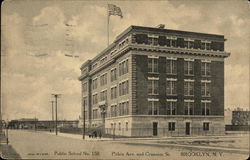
x=44, y=145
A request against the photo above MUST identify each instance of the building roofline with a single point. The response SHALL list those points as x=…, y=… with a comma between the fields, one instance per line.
x=104, y=51
x=141, y=28
x=85, y=63
x=133, y=27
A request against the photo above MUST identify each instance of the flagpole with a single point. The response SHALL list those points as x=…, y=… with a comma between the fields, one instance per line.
x=108, y=25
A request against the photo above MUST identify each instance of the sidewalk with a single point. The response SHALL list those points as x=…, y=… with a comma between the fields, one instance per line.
x=6, y=150
x=193, y=147
x=77, y=136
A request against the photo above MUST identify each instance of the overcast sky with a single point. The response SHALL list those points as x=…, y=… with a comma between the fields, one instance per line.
x=35, y=28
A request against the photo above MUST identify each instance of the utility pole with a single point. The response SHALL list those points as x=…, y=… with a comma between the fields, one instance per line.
x=7, y=134
x=83, y=116
x=52, y=102
x=56, y=96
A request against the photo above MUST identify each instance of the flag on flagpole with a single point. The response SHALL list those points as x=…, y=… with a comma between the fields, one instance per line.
x=114, y=10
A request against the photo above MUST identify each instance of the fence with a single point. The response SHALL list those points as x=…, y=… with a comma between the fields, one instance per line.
x=237, y=127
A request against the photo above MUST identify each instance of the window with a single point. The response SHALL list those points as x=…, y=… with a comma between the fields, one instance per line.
x=171, y=126
x=205, y=126
x=123, y=67
x=94, y=65
x=171, y=87
x=208, y=46
x=95, y=99
x=205, y=88
x=113, y=92
x=153, y=108
x=206, y=68
x=113, y=74
x=126, y=108
x=123, y=108
x=180, y=42
x=153, y=40
x=189, y=67
x=173, y=42
x=189, y=108
x=203, y=45
x=103, y=79
x=185, y=43
x=205, y=107
x=189, y=88
x=84, y=71
x=153, y=86
x=94, y=83
x=141, y=38
x=191, y=44
x=171, y=66
x=126, y=126
x=113, y=111
x=197, y=44
x=103, y=59
x=153, y=65
x=103, y=96
x=119, y=126
x=123, y=88
x=95, y=113
x=84, y=87
x=171, y=107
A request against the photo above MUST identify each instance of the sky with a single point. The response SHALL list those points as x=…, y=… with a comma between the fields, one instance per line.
x=35, y=39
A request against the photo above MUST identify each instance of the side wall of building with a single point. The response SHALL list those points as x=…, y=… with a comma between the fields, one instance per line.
x=140, y=62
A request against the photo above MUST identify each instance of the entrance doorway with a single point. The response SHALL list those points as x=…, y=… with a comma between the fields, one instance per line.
x=187, y=128
x=155, y=128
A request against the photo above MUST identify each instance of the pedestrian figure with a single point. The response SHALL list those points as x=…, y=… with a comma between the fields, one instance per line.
x=100, y=134
x=94, y=134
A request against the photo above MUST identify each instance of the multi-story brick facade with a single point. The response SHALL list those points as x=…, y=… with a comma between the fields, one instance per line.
x=156, y=82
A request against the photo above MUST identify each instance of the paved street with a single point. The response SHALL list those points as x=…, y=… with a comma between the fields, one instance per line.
x=34, y=145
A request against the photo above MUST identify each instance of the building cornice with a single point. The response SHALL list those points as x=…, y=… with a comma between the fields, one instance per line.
x=173, y=50
x=166, y=116
x=161, y=49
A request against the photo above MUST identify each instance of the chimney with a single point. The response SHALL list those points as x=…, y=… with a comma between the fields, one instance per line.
x=161, y=26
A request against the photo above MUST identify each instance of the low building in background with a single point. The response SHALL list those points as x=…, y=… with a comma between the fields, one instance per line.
x=40, y=124
x=240, y=117
x=237, y=120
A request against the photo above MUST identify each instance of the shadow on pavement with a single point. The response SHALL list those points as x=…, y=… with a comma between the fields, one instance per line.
x=8, y=152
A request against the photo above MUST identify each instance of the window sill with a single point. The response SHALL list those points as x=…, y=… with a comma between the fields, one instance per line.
x=151, y=94
x=205, y=96
x=171, y=95
x=208, y=76
x=188, y=74
x=153, y=72
x=173, y=74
